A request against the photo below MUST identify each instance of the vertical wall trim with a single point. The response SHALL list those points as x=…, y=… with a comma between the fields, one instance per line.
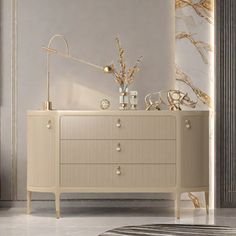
x=14, y=83
x=225, y=103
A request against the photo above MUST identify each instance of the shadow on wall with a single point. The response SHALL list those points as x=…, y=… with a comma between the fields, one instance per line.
x=1, y=61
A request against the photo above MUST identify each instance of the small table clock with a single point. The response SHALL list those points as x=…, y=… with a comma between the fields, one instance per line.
x=104, y=104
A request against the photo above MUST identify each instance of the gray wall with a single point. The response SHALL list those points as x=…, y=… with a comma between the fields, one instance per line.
x=145, y=27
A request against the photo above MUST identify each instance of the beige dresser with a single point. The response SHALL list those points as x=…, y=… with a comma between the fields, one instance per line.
x=117, y=151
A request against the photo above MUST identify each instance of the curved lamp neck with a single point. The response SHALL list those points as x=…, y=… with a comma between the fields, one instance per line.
x=48, y=103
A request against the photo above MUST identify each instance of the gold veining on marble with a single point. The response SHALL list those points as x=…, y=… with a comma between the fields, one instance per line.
x=208, y=4
x=202, y=47
x=180, y=3
x=203, y=8
x=202, y=96
x=195, y=200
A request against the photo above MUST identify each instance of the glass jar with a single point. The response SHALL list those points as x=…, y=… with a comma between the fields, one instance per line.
x=123, y=98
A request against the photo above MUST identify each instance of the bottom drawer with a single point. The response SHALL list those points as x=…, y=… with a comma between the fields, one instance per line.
x=114, y=175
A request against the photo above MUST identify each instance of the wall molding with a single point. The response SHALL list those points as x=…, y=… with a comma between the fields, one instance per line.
x=98, y=203
x=14, y=94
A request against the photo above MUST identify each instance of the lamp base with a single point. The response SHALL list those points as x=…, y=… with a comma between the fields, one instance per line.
x=47, y=106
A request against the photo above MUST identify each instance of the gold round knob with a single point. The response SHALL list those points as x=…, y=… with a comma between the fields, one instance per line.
x=118, y=148
x=118, y=124
x=49, y=125
x=188, y=124
x=118, y=171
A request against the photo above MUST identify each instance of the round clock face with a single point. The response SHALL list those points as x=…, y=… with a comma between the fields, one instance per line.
x=104, y=104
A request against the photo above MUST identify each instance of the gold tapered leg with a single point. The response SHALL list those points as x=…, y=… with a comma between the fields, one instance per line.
x=207, y=201
x=177, y=205
x=57, y=202
x=29, y=195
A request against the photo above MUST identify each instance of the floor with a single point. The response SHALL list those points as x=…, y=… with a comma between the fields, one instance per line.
x=92, y=221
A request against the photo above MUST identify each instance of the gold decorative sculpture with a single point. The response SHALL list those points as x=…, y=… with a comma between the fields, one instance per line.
x=172, y=99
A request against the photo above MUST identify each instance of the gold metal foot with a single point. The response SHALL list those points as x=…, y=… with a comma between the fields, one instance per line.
x=207, y=202
x=58, y=214
x=177, y=214
x=29, y=196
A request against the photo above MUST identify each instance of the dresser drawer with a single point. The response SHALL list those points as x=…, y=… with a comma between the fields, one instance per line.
x=118, y=151
x=86, y=151
x=86, y=127
x=143, y=127
x=144, y=151
x=117, y=127
x=121, y=176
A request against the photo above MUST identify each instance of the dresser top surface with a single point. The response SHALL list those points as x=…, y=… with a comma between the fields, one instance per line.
x=119, y=113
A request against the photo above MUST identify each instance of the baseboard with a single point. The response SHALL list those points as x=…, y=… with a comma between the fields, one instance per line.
x=157, y=203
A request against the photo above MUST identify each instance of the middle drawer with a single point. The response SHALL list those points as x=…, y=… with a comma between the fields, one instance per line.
x=117, y=151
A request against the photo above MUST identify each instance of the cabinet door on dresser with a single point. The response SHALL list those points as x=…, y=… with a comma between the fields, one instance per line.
x=41, y=151
x=194, y=151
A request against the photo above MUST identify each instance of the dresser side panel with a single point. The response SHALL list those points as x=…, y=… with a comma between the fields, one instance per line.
x=40, y=151
x=195, y=151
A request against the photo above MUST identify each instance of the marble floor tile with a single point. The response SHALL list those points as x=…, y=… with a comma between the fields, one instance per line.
x=93, y=221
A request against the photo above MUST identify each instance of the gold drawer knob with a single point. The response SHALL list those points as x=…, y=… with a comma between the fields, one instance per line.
x=49, y=124
x=118, y=171
x=118, y=124
x=188, y=124
x=118, y=148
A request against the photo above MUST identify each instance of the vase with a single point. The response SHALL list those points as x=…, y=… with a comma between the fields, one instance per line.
x=123, y=98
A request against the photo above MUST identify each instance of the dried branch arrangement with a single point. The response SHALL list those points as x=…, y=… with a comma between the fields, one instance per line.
x=202, y=47
x=202, y=96
x=124, y=77
x=204, y=8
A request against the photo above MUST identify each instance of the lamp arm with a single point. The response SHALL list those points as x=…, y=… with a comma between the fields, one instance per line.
x=49, y=50
x=52, y=50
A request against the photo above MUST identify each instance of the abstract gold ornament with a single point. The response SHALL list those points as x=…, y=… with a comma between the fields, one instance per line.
x=171, y=99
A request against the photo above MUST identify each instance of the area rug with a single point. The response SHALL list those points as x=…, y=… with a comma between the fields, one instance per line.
x=171, y=229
